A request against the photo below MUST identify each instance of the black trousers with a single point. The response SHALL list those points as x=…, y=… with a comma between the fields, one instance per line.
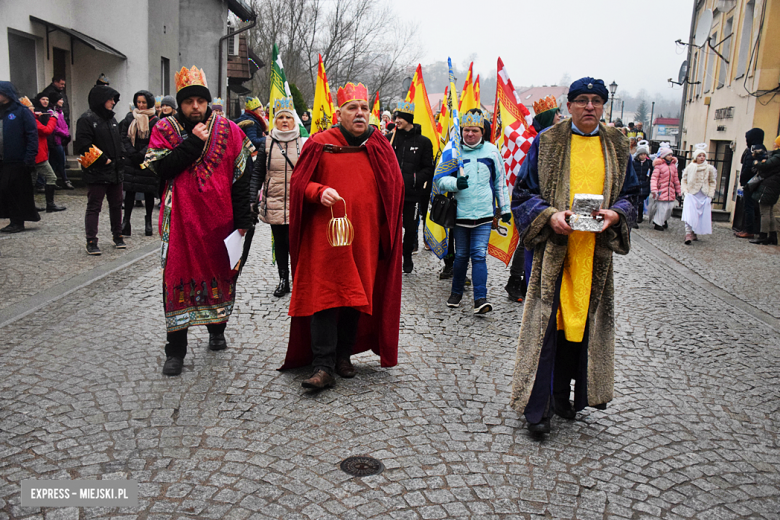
x=281, y=233
x=177, y=341
x=333, y=335
x=425, y=199
x=130, y=202
x=410, y=228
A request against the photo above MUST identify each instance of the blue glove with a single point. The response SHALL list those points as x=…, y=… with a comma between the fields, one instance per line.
x=506, y=217
x=463, y=182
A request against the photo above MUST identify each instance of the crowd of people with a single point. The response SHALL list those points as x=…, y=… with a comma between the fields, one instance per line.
x=345, y=208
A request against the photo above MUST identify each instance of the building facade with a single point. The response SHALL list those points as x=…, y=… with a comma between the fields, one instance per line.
x=138, y=45
x=733, y=85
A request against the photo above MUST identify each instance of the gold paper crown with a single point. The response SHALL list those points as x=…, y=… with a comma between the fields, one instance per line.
x=405, y=106
x=285, y=103
x=472, y=119
x=24, y=100
x=189, y=77
x=252, y=103
x=545, y=104
x=90, y=156
x=158, y=101
x=373, y=120
x=217, y=103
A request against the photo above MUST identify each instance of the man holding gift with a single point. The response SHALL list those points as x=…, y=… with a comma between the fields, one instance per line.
x=567, y=330
x=345, y=299
x=204, y=160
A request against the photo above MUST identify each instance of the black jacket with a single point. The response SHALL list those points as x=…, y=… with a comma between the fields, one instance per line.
x=754, y=137
x=644, y=170
x=136, y=178
x=769, y=169
x=97, y=126
x=414, y=152
x=65, y=105
x=188, y=152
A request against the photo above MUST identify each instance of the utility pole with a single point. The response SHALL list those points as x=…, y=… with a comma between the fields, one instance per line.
x=650, y=125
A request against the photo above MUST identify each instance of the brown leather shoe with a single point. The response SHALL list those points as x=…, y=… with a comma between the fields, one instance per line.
x=345, y=368
x=319, y=380
x=743, y=234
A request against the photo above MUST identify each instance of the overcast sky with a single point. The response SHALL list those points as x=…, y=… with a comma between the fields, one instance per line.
x=628, y=41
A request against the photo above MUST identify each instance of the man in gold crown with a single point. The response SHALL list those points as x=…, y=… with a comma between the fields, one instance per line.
x=568, y=330
x=257, y=126
x=203, y=159
x=345, y=299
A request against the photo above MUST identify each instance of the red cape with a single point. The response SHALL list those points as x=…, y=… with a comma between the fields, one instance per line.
x=379, y=331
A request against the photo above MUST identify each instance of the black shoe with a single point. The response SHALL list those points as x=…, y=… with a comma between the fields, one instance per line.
x=542, y=426
x=283, y=287
x=772, y=240
x=666, y=225
x=763, y=238
x=13, y=228
x=563, y=408
x=148, y=226
x=514, y=288
x=217, y=341
x=173, y=366
x=408, y=266
x=415, y=249
x=39, y=209
x=482, y=306
x=119, y=243
x=92, y=247
x=67, y=185
x=446, y=272
x=127, y=229
x=454, y=300
x=658, y=228
x=51, y=207
x=635, y=226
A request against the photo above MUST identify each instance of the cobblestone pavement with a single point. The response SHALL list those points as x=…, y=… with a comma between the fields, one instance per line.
x=52, y=251
x=692, y=432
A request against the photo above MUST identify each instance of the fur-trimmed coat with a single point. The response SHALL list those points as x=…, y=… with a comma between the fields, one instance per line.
x=541, y=191
x=695, y=179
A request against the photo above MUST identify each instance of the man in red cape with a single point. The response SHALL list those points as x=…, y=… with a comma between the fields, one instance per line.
x=347, y=299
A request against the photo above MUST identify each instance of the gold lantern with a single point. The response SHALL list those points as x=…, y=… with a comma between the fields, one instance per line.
x=340, y=230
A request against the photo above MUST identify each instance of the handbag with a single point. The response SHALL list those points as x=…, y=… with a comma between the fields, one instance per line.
x=444, y=210
x=753, y=183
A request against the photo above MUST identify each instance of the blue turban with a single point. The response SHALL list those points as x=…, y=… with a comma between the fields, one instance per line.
x=588, y=85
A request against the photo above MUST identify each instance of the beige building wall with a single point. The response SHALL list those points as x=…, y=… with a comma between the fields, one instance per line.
x=728, y=100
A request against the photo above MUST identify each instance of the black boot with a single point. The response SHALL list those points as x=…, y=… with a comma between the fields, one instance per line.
x=763, y=238
x=148, y=225
x=514, y=288
x=126, y=228
x=51, y=207
x=284, y=284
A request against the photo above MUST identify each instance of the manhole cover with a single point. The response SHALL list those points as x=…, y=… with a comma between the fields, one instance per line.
x=361, y=466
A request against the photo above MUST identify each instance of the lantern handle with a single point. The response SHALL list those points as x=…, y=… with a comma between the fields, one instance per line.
x=345, y=209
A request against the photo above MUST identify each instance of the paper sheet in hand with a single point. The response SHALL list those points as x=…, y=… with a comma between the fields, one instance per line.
x=234, y=244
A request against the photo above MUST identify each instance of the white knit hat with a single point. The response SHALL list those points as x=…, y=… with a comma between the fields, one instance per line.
x=643, y=147
x=700, y=149
x=664, y=150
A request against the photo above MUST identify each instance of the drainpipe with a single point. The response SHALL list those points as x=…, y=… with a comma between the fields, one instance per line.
x=687, y=73
x=219, y=83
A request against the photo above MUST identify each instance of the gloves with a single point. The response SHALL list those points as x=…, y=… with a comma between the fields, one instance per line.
x=463, y=182
x=506, y=217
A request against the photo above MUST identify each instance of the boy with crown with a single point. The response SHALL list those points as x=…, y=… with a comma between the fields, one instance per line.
x=568, y=326
x=347, y=299
x=203, y=159
x=256, y=125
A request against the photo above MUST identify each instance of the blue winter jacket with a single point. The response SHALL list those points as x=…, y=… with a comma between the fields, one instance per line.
x=254, y=132
x=20, y=132
x=487, y=188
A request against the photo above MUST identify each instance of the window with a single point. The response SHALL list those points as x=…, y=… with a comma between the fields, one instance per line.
x=745, y=39
x=233, y=42
x=710, y=71
x=24, y=68
x=725, y=50
x=165, y=76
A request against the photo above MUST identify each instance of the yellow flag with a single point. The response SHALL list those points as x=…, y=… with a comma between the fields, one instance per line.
x=423, y=114
x=323, y=113
x=467, y=99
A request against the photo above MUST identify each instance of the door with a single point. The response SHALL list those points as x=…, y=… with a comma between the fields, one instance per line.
x=722, y=163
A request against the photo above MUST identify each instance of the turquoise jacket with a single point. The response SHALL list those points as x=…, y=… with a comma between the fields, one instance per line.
x=487, y=185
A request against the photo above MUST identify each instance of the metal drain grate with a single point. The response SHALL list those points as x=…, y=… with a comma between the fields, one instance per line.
x=361, y=466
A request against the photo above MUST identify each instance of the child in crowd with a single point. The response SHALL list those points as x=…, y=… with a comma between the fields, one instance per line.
x=698, y=188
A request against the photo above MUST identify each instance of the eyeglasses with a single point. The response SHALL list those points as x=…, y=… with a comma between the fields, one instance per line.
x=582, y=103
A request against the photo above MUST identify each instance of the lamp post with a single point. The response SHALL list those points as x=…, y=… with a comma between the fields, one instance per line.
x=612, y=89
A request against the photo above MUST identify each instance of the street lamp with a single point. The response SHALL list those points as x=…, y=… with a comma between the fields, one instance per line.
x=612, y=89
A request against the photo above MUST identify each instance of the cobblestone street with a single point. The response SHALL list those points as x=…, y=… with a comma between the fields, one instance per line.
x=692, y=432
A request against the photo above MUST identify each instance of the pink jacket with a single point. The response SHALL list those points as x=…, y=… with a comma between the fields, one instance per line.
x=665, y=180
x=61, y=131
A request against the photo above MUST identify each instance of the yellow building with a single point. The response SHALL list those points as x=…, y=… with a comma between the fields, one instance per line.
x=733, y=85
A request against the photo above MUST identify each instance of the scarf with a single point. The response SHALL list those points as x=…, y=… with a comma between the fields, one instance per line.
x=285, y=136
x=139, y=128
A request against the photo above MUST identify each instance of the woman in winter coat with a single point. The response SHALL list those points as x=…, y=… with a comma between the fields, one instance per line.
x=135, y=130
x=60, y=139
x=643, y=166
x=482, y=183
x=273, y=168
x=767, y=195
x=664, y=187
x=698, y=188
x=47, y=122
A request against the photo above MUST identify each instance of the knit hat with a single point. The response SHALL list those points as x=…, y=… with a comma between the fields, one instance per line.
x=643, y=147
x=777, y=141
x=168, y=101
x=699, y=149
x=387, y=113
x=664, y=150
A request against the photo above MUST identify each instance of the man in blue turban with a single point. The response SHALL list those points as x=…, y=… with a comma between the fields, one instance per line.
x=567, y=332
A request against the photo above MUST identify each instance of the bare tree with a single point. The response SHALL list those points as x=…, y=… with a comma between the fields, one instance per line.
x=350, y=35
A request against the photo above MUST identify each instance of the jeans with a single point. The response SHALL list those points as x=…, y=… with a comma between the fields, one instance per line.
x=471, y=243
x=177, y=341
x=95, y=194
x=749, y=210
x=57, y=161
x=333, y=335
